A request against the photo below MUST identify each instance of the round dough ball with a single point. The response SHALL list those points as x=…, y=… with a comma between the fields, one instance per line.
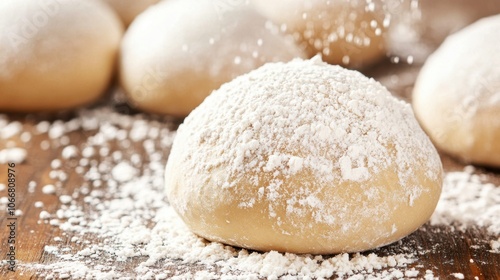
x=341, y=30
x=129, y=9
x=457, y=94
x=303, y=157
x=177, y=52
x=55, y=54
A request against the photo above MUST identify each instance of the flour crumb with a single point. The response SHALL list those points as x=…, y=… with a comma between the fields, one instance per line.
x=412, y=273
x=429, y=275
x=123, y=172
x=49, y=189
x=65, y=199
x=88, y=152
x=50, y=249
x=69, y=152
x=10, y=130
x=458, y=275
x=14, y=155
x=44, y=215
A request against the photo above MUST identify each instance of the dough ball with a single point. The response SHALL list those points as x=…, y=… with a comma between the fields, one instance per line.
x=129, y=9
x=55, y=54
x=177, y=52
x=343, y=31
x=457, y=94
x=303, y=157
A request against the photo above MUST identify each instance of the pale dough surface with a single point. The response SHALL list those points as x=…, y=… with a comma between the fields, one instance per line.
x=55, y=54
x=457, y=94
x=303, y=157
x=129, y=9
x=340, y=30
x=177, y=52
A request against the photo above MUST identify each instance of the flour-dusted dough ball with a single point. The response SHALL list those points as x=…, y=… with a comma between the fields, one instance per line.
x=55, y=54
x=344, y=31
x=129, y=9
x=303, y=157
x=457, y=94
x=177, y=52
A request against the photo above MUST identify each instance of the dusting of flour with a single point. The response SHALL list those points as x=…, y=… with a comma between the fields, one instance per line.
x=134, y=224
x=348, y=117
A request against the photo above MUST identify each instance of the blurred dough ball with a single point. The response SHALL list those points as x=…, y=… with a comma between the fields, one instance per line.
x=129, y=9
x=343, y=31
x=457, y=94
x=177, y=52
x=55, y=54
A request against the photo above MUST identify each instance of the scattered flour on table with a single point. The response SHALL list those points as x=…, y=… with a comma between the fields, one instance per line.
x=130, y=217
x=467, y=201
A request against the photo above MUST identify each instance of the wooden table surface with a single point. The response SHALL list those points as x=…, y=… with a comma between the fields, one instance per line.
x=440, y=248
